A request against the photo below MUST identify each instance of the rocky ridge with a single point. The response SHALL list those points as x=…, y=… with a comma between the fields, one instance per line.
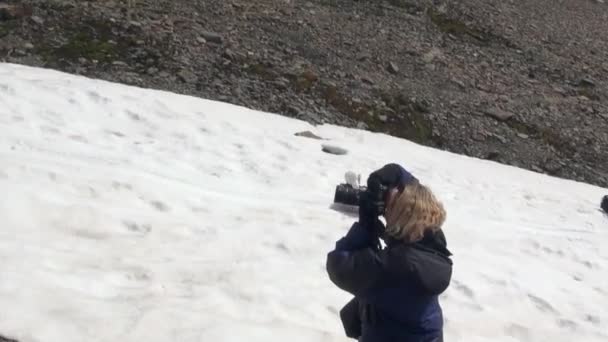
x=520, y=82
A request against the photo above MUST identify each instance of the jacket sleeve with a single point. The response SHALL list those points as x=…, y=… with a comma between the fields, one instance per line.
x=355, y=264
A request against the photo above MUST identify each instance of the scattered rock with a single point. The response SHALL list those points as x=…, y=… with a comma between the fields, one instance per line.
x=523, y=136
x=187, y=76
x=500, y=138
x=586, y=82
x=37, y=20
x=212, y=37
x=10, y=11
x=477, y=136
x=308, y=134
x=201, y=40
x=152, y=71
x=367, y=79
x=459, y=83
x=560, y=90
x=134, y=23
x=537, y=168
x=552, y=166
x=383, y=118
x=393, y=68
x=430, y=56
x=334, y=150
x=493, y=155
x=499, y=114
x=228, y=54
x=120, y=64
x=28, y=46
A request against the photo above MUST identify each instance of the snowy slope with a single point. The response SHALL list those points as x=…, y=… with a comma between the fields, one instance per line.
x=139, y=215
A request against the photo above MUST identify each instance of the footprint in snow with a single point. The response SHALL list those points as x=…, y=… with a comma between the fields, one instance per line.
x=600, y=290
x=464, y=289
x=138, y=228
x=567, y=324
x=595, y=320
x=116, y=134
x=280, y=166
x=286, y=145
x=162, y=110
x=78, y=138
x=230, y=128
x=7, y=89
x=133, y=116
x=557, y=252
x=542, y=304
x=495, y=281
x=160, y=206
x=96, y=98
x=205, y=130
x=116, y=185
x=179, y=135
x=49, y=129
x=587, y=263
x=519, y=332
x=282, y=247
x=137, y=274
x=577, y=277
x=199, y=210
x=240, y=148
x=89, y=234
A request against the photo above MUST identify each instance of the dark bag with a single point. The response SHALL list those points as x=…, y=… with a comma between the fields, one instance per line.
x=350, y=319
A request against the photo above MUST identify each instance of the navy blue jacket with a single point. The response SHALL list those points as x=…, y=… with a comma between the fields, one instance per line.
x=396, y=289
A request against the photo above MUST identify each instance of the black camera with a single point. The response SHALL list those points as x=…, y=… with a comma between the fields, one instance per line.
x=350, y=195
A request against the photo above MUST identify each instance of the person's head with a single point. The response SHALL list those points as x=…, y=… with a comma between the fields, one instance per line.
x=413, y=211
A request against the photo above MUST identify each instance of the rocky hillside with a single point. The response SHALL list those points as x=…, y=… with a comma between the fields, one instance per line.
x=521, y=82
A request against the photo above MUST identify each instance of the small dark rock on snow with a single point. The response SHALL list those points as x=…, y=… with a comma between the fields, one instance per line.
x=334, y=150
x=308, y=134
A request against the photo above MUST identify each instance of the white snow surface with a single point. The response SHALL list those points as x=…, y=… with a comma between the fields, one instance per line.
x=139, y=215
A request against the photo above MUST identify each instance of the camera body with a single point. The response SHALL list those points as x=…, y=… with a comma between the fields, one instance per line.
x=350, y=194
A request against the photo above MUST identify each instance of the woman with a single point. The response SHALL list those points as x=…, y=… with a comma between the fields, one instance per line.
x=396, y=288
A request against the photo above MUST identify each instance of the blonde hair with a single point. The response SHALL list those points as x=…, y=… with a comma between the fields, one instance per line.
x=412, y=212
